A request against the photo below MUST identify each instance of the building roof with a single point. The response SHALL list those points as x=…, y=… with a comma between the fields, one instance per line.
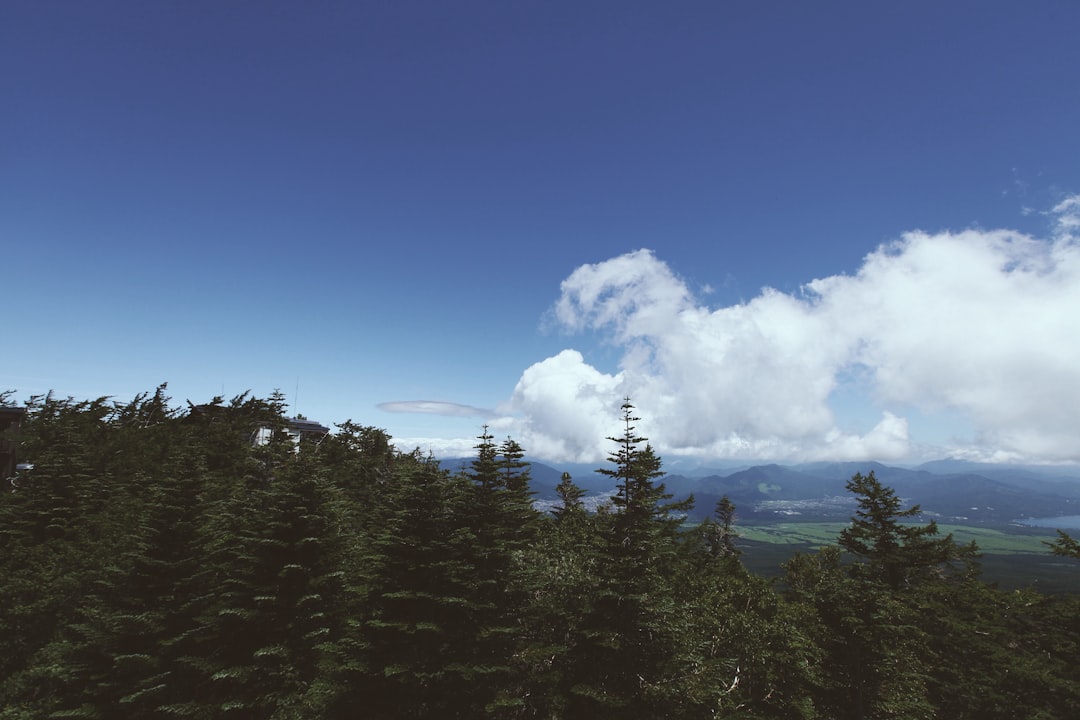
x=304, y=425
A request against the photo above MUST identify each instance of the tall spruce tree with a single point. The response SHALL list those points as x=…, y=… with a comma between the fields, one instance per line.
x=418, y=580
x=503, y=523
x=628, y=645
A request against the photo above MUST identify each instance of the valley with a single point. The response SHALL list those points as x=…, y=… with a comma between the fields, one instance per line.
x=782, y=510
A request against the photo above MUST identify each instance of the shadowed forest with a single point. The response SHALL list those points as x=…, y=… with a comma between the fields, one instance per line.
x=200, y=562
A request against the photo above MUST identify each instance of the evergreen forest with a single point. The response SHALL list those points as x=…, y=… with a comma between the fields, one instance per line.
x=160, y=562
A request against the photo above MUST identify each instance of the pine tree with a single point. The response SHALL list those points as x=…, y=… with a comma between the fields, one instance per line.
x=503, y=523
x=274, y=603
x=878, y=659
x=569, y=497
x=357, y=458
x=896, y=552
x=57, y=534
x=1065, y=546
x=418, y=633
x=559, y=576
x=628, y=648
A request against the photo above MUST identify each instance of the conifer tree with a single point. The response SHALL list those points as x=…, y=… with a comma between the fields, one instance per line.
x=266, y=633
x=418, y=634
x=715, y=537
x=503, y=523
x=569, y=497
x=628, y=647
x=56, y=535
x=560, y=579
x=1065, y=546
x=357, y=458
x=878, y=656
x=896, y=552
x=158, y=564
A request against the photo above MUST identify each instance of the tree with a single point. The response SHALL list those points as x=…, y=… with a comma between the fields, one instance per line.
x=878, y=655
x=560, y=578
x=717, y=534
x=570, y=504
x=1065, y=546
x=513, y=470
x=896, y=552
x=357, y=458
x=418, y=633
x=58, y=532
x=275, y=604
x=503, y=523
x=627, y=652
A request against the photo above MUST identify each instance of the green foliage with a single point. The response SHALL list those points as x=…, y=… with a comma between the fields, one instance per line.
x=164, y=563
x=1065, y=546
x=419, y=597
x=623, y=655
x=896, y=552
x=997, y=654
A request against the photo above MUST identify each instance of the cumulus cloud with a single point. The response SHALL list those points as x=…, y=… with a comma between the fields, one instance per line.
x=566, y=407
x=982, y=324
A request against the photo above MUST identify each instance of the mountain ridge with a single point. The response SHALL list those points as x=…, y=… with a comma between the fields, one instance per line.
x=955, y=493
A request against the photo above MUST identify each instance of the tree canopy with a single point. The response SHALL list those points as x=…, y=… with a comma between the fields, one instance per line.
x=160, y=562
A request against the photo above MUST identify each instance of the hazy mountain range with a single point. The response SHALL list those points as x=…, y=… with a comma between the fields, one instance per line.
x=949, y=490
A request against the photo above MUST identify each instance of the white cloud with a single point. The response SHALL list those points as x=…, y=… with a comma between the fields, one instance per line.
x=1067, y=215
x=984, y=324
x=442, y=448
x=433, y=407
x=565, y=408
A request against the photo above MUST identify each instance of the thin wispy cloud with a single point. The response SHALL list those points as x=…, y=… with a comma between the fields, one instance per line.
x=1067, y=215
x=434, y=407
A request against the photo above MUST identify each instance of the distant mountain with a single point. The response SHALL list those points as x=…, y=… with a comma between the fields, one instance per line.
x=545, y=478
x=817, y=491
x=967, y=497
x=954, y=465
x=1063, y=480
x=948, y=490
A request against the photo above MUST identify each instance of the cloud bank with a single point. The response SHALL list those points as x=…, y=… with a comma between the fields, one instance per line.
x=979, y=325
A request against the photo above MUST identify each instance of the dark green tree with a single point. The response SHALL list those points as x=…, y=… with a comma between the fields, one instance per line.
x=275, y=600
x=878, y=655
x=503, y=524
x=997, y=654
x=570, y=503
x=894, y=550
x=57, y=534
x=560, y=576
x=628, y=649
x=1065, y=546
x=717, y=534
x=417, y=635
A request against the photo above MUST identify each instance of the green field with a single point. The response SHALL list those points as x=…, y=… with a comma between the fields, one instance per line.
x=815, y=534
x=1009, y=559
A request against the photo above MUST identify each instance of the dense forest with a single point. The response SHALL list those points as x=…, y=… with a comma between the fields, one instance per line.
x=163, y=562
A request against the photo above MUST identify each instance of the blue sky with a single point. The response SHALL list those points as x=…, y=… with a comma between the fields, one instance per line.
x=533, y=209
